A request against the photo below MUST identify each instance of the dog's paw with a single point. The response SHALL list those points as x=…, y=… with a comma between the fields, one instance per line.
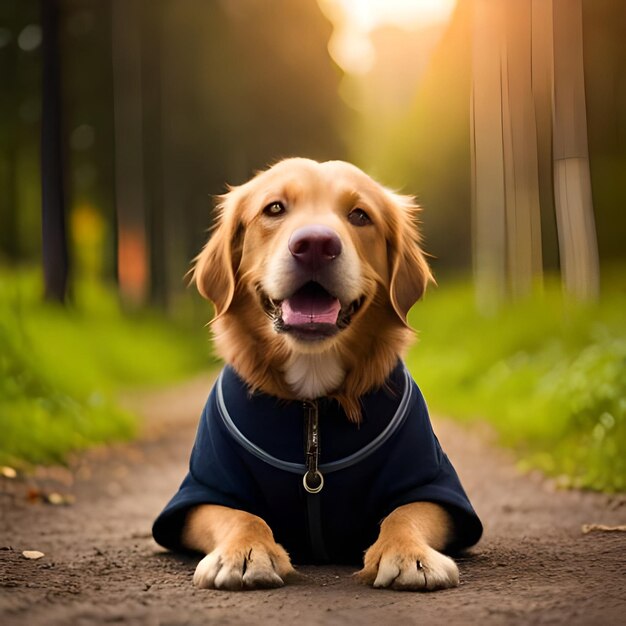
x=261, y=565
x=408, y=567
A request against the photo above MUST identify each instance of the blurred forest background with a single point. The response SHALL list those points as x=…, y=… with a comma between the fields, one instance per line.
x=120, y=119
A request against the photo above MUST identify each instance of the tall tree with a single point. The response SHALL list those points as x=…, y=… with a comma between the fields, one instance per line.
x=487, y=141
x=128, y=115
x=541, y=82
x=507, y=224
x=9, y=232
x=153, y=142
x=55, y=249
x=572, y=181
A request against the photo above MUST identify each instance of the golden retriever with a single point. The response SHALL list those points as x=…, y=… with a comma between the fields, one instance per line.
x=312, y=268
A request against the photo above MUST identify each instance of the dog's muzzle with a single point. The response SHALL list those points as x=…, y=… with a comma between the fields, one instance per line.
x=313, y=311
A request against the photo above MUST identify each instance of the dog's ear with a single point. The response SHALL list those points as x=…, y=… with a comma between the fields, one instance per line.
x=410, y=273
x=215, y=268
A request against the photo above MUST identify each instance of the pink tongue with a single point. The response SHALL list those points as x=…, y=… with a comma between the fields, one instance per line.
x=306, y=308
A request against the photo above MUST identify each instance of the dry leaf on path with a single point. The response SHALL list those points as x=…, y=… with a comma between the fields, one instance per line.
x=59, y=499
x=7, y=472
x=32, y=554
x=588, y=528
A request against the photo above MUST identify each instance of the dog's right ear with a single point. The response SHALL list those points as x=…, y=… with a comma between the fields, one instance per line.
x=215, y=268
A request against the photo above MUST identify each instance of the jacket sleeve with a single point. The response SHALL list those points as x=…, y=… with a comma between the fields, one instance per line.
x=419, y=471
x=217, y=475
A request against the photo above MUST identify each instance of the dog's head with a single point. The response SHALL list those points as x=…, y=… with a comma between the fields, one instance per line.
x=313, y=254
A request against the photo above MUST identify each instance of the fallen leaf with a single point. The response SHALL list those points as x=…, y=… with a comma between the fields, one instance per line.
x=59, y=499
x=32, y=554
x=34, y=495
x=588, y=528
x=8, y=472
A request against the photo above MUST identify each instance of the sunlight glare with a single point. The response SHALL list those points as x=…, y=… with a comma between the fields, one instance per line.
x=354, y=21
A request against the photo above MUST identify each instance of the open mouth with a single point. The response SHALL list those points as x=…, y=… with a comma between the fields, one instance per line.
x=311, y=313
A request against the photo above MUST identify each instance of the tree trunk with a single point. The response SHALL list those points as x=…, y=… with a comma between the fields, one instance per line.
x=132, y=254
x=572, y=182
x=488, y=192
x=542, y=79
x=523, y=221
x=506, y=203
x=55, y=252
x=9, y=97
x=153, y=151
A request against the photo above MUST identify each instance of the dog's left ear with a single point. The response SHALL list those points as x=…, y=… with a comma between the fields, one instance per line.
x=410, y=273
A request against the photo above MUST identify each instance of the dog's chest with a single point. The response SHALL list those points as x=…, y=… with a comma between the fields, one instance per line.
x=313, y=375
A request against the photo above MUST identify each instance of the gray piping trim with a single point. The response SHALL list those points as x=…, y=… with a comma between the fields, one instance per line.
x=298, y=468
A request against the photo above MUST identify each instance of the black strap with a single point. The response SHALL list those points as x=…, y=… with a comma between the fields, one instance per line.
x=316, y=536
x=313, y=482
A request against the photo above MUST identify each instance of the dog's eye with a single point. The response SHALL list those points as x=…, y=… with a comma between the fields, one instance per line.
x=274, y=209
x=358, y=217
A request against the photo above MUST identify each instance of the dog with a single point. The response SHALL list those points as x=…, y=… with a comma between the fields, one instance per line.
x=315, y=432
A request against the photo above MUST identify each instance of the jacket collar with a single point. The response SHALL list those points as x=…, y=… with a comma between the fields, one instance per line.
x=240, y=419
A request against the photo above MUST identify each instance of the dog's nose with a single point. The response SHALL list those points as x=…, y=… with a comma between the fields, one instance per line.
x=314, y=246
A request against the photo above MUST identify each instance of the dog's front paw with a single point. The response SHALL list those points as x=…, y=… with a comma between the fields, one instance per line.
x=408, y=566
x=259, y=565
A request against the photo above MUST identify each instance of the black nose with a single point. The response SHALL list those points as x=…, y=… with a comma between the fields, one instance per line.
x=314, y=246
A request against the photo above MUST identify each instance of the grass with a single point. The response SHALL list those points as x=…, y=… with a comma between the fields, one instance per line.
x=548, y=374
x=61, y=368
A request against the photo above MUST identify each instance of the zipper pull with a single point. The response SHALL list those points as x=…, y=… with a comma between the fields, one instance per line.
x=313, y=480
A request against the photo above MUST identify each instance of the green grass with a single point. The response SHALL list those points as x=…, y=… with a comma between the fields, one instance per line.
x=548, y=374
x=61, y=368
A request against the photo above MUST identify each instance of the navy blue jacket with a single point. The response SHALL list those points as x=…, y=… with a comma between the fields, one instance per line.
x=249, y=455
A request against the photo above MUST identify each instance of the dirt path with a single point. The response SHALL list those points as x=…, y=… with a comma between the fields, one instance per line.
x=534, y=565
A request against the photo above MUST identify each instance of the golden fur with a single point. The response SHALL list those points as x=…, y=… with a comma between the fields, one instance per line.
x=386, y=265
